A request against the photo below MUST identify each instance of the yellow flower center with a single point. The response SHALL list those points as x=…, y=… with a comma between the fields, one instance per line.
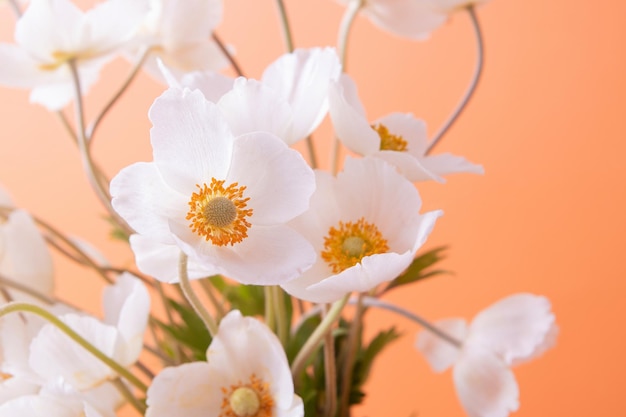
x=219, y=214
x=60, y=58
x=350, y=242
x=389, y=141
x=247, y=400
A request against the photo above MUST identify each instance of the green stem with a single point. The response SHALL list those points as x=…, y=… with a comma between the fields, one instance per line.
x=233, y=62
x=52, y=319
x=129, y=79
x=318, y=334
x=193, y=299
x=282, y=326
x=207, y=286
x=128, y=396
x=375, y=302
x=348, y=362
x=270, y=317
x=330, y=373
x=473, y=84
x=88, y=164
x=284, y=20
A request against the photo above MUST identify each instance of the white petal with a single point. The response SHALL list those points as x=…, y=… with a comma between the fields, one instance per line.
x=143, y=199
x=24, y=256
x=127, y=307
x=186, y=389
x=112, y=23
x=485, y=385
x=515, y=327
x=349, y=120
x=251, y=107
x=440, y=353
x=244, y=346
x=409, y=128
x=408, y=165
x=270, y=255
x=212, y=84
x=191, y=141
x=302, y=78
x=201, y=55
x=183, y=21
x=446, y=163
x=48, y=26
x=405, y=18
x=53, y=354
x=160, y=260
x=279, y=182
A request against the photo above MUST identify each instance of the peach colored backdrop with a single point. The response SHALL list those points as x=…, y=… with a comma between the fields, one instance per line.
x=548, y=216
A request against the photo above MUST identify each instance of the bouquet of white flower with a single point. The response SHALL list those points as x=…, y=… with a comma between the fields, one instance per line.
x=289, y=256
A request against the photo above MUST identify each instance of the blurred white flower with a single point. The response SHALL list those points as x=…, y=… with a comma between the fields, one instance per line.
x=24, y=256
x=223, y=199
x=399, y=139
x=513, y=330
x=413, y=19
x=290, y=100
x=246, y=374
x=365, y=227
x=52, y=33
x=179, y=33
x=53, y=355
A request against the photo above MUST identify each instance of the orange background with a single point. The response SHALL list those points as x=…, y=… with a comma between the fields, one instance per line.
x=548, y=216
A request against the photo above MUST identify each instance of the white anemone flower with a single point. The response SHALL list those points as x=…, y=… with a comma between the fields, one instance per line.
x=514, y=330
x=397, y=138
x=223, y=199
x=24, y=256
x=54, y=402
x=179, y=34
x=290, y=100
x=246, y=374
x=53, y=355
x=365, y=227
x=413, y=19
x=52, y=33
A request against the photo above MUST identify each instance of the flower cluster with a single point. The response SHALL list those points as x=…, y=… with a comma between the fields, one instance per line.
x=280, y=247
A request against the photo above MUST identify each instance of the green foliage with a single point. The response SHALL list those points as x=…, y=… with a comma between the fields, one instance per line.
x=188, y=331
x=249, y=299
x=417, y=271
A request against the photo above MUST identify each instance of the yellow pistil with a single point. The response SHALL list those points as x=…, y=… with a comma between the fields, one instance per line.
x=219, y=214
x=60, y=58
x=389, y=141
x=350, y=242
x=247, y=400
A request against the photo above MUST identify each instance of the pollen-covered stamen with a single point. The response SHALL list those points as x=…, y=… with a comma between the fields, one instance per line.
x=252, y=399
x=346, y=245
x=389, y=141
x=219, y=213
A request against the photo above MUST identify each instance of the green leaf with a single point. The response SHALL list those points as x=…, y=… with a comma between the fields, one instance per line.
x=191, y=332
x=416, y=271
x=249, y=299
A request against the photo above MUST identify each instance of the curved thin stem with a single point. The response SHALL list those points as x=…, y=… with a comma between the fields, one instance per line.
x=284, y=20
x=344, y=29
x=129, y=79
x=342, y=44
x=128, y=395
x=233, y=62
x=375, y=302
x=282, y=327
x=6, y=282
x=330, y=372
x=318, y=334
x=16, y=8
x=88, y=164
x=14, y=307
x=193, y=299
x=473, y=84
